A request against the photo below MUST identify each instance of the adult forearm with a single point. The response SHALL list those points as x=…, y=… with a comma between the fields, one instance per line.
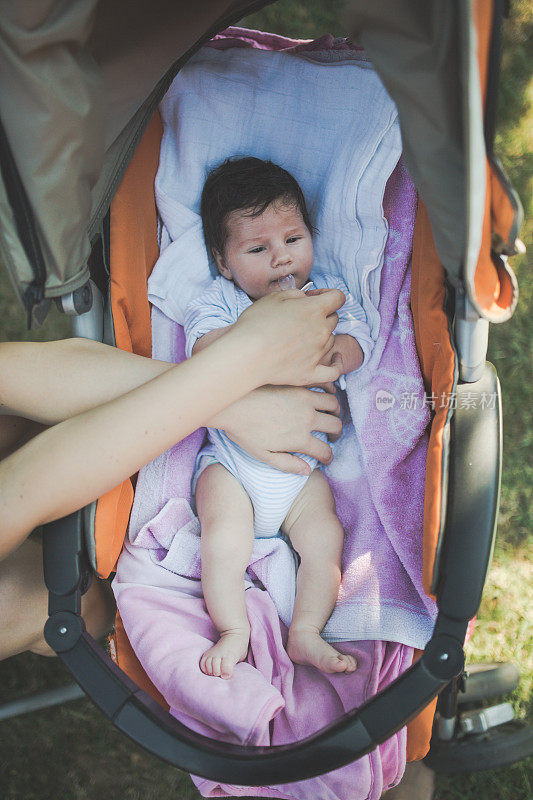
x=230, y=418
x=76, y=461
x=53, y=381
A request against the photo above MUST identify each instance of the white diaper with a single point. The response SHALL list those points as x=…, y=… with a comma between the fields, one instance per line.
x=271, y=491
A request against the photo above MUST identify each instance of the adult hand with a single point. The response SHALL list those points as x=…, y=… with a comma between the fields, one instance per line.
x=274, y=422
x=291, y=335
x=332, y=359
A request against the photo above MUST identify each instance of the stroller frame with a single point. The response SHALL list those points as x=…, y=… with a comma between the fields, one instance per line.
x=354, y=734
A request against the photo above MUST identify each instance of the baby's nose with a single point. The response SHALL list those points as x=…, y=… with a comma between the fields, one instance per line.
x=281, y=257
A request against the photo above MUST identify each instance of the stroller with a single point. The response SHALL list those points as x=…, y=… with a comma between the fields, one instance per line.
x=460, y=283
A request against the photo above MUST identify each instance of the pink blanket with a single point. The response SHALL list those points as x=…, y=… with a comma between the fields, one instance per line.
x=269, y=699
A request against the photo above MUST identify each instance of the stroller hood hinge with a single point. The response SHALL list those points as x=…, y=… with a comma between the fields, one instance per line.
x=33, y=296
x=25, y=224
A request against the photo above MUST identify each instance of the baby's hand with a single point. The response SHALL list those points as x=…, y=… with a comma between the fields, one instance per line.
x=346, y=353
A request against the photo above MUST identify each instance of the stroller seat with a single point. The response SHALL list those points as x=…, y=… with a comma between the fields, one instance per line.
x=133, y=251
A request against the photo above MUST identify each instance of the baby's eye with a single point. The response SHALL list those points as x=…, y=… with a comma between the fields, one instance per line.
x=293, y=239
x=258, y=249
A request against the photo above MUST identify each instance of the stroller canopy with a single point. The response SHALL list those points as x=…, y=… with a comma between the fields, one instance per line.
x=81, y=80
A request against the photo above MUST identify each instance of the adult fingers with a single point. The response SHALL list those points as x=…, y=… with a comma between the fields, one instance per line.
x=286, y=462
x=327, y=423
x=327, y=403
x=328, y=347
x=318, y=449
x=332, y=320
x=324, y=374
x=329, y=300
x=329, y=388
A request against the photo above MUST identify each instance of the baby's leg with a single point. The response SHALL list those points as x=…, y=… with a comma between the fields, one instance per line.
x=226, y=517
x=316, y=533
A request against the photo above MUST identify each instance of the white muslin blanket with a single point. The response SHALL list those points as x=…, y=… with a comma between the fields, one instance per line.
x=333, y=126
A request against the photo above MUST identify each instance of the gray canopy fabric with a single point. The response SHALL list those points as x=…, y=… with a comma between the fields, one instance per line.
x=423, y=54
x=80, y=80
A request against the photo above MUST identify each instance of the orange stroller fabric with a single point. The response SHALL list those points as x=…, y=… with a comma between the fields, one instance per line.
x=134, y=251
x=494, y=281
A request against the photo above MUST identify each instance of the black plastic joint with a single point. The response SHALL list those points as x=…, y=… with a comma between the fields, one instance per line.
x=70, y=603
x=446, y=626
x=62, y=631
x=444, y=657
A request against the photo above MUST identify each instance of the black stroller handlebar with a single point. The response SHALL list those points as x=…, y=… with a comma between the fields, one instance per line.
x=463, y=557
x=350, y=737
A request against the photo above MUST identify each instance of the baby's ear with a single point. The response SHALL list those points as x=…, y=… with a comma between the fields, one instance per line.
x=221, y=264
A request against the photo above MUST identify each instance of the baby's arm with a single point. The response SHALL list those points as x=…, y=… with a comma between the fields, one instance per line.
x=347, y=352
x=209, y=338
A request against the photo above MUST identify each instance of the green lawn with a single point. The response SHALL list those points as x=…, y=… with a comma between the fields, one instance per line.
x=72, y=753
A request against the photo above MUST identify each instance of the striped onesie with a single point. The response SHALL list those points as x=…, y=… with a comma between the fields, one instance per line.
x=271, y=491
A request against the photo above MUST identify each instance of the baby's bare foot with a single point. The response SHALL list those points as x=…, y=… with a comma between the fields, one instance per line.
x=231, y=648
x=306, y=646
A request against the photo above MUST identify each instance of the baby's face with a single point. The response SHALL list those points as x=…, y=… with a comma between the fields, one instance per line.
x=261, y=250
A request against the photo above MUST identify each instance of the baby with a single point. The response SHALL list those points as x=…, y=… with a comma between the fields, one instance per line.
x=257, y=229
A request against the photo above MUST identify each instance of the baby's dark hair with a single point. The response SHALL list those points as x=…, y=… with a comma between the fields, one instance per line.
x=250, y=184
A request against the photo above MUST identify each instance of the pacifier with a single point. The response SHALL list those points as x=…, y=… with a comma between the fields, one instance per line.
x=286, y=282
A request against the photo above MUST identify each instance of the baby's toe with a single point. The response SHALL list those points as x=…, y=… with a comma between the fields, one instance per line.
x=226, y=668
x=216, y=666
x=338, y=664
x=343, y=663
x=351, y=664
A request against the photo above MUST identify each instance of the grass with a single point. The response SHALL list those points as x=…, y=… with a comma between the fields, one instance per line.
x=72, y=753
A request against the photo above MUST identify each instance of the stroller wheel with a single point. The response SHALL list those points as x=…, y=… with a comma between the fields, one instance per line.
x=489, y=680
x=497, y=747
